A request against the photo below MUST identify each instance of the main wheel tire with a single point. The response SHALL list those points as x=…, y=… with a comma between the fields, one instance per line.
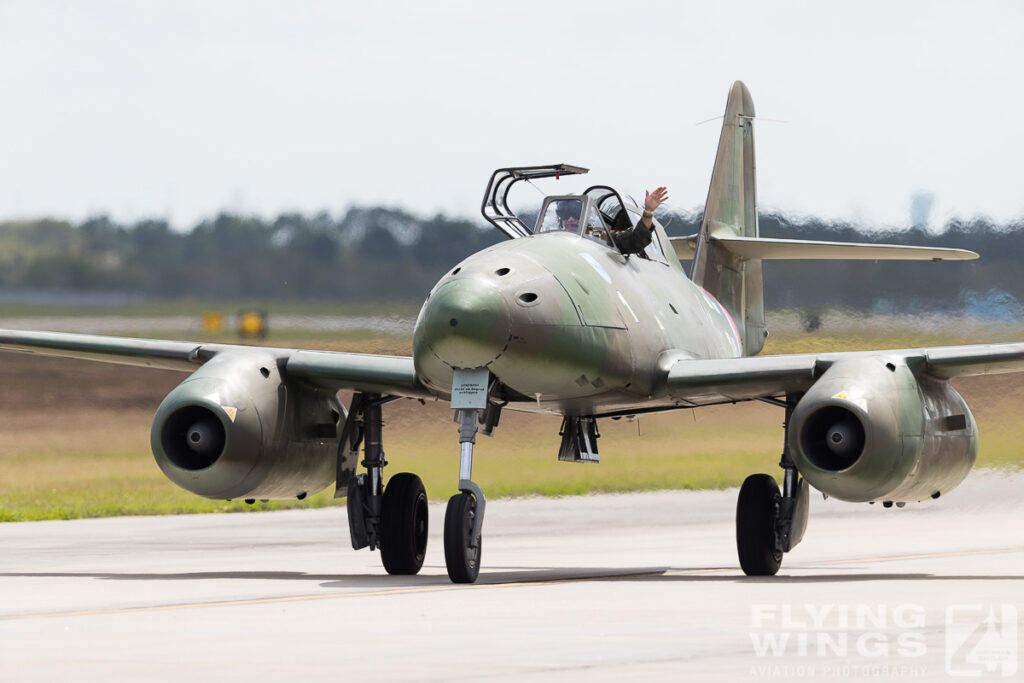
x=756, y=512
x=403, y=528
x=463, y=562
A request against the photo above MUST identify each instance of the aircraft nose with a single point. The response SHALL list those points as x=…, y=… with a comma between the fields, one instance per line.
x=465, y=323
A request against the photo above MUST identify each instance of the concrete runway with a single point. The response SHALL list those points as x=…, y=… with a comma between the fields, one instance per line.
x=601, y=587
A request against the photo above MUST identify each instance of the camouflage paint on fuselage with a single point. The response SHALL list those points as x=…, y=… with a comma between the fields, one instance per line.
x=568, y=324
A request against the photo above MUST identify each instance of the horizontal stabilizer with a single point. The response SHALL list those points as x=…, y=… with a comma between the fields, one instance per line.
x=767, y=248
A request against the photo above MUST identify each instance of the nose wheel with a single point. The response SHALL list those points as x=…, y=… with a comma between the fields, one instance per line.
x=461, y=550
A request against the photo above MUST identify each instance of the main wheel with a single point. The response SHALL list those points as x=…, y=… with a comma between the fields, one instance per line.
x=756, y=513
x=463, y=561
x=403, y=528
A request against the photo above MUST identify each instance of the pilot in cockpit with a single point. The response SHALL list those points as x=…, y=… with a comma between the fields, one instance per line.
x=622, y=234
x=568, y=212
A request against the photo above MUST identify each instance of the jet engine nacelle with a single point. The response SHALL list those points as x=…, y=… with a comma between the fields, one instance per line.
x=870, y=430
x=236, y=429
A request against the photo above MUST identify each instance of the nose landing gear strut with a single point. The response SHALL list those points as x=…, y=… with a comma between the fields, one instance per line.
x=463, y=520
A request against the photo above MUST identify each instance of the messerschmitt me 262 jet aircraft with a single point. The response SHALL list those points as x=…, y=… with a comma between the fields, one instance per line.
x=559, y=321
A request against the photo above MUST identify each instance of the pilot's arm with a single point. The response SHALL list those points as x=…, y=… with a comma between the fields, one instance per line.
x=634, y=240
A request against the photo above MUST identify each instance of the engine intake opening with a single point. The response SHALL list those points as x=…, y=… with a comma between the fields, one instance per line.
x=193, y=438
x=832, y=438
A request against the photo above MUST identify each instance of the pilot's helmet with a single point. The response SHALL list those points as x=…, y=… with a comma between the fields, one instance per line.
x=568, y=208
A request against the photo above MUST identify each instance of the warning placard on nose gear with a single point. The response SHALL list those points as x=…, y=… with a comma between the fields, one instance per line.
x=469, y=389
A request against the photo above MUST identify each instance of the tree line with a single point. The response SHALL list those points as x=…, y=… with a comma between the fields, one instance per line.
x=389, y=254
x=368, y=254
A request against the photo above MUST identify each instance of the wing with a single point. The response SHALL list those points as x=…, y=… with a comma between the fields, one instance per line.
x=706, y=381
x=333, y=370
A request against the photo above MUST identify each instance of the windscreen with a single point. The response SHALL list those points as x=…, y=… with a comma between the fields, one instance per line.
x=563, y=214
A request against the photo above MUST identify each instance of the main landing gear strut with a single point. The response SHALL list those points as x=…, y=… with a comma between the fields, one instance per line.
x=769, y=522
x=392, y=519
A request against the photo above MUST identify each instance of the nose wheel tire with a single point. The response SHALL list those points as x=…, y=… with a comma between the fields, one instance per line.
x=403, y=533
x=462, y=560
x=756, y=516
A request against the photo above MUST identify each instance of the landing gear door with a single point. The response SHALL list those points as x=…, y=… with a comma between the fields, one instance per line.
x=579, y=440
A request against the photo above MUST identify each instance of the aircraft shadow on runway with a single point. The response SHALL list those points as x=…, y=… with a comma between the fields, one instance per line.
x=516, y=576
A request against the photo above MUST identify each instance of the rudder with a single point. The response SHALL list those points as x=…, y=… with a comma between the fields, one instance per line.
x=731, y=211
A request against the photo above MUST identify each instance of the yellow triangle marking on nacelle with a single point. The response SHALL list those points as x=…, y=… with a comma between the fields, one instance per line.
x=231, y=412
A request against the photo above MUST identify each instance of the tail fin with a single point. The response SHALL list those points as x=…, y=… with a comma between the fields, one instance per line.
x=731, y=211
x=727, y=252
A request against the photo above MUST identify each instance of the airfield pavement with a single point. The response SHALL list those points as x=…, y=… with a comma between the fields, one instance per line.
x=603, y=587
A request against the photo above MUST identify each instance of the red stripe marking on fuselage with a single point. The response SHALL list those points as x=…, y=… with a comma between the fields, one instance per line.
x=732, y=323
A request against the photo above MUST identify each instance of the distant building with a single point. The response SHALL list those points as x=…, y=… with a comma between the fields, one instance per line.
x=921, y=209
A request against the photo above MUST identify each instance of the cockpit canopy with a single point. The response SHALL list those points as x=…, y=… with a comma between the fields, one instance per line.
x=591, y=214
x=596, y=214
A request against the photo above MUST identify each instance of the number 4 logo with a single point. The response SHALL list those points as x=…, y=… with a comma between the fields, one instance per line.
x=981, y=640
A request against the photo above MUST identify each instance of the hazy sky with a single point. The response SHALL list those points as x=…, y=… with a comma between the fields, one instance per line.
x=180, y=109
